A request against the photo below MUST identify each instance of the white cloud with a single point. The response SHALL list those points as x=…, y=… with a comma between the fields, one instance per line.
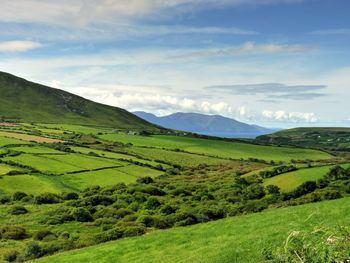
x=284, y=116
x=247, y=48
x=18, y=46
x=326, y=32
x=83, y=12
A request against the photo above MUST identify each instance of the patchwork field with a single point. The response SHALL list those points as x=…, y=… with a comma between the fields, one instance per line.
x=224, y=241
x=27, y=137
x=234, y=150
x=289, y=181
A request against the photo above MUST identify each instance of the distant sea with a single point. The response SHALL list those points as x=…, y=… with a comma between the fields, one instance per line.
x=232, y=134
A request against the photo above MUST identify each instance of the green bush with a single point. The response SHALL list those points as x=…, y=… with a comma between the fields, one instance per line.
x=42, y=234
x=11, y=255
x=81, y=215
x=70, y=196
x=13, y=232
x=46, y=198
x=152, y=203
x=18, y=210
x=17, y=196
x=32, y=251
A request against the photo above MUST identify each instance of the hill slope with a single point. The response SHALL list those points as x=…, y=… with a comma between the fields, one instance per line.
x=30, y=102
x=214, y=125
x=327, y=138
x=237, y=239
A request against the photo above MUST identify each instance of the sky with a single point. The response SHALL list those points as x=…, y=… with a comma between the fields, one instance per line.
x=276, y=63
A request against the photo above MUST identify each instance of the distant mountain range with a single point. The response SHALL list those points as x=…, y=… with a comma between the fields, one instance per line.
x=214, y=125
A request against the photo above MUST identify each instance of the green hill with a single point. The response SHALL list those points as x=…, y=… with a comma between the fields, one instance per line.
x=25, y=101
x=328, y=138
x=239, y=239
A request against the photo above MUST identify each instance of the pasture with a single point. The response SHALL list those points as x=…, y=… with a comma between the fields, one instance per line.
x=225, y=241
x=223, y=149
x=289, y=181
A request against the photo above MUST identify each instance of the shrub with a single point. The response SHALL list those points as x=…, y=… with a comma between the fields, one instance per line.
x=17, y=196
x=42, y=234
x=81, y=215
x=13, y=232
x=144, y=180
x=11, y=255
x=273, y=189
x=46, y=198
x=18, y=210
x=5, y=199
x=112, y=234
x=152, y=203
x=70, y=196
x=32, y=251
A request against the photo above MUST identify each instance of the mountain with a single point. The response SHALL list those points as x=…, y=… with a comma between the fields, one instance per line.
x=214, y=125
x=26, y=101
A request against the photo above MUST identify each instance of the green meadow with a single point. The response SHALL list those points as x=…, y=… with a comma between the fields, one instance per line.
x=240, y=239
x=234, y=150
x=289, y=181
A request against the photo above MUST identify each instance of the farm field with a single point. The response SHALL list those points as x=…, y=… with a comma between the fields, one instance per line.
x=127, y=174
x=234, y=150
x=35, y=150
x=28, y=137
x=179, y=158
x=114, y=155
x=29, y=184
x=289, y=181
x=224, y=241
x=9, y=141
x=62, y=163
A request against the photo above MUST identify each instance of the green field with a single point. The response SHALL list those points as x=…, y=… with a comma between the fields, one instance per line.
x=240, y=239
x=4, y=169
x=114, y=155
x=234, y=150
x=9, y=141
x=62, y=163
x=106, y=177
x=179, y=158
x=26, y=183
x=289, y=181
x=35, y=150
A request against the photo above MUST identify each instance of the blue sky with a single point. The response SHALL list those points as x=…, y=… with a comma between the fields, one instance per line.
x=278, y=63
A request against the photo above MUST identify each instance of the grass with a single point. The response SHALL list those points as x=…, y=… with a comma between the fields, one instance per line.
x=105, y=177
x=179, y=158
x=4, y=168
x=289, y=181
x=235, y=150
x=225, y=241
x=42, y=104
x=35, y=150
x=113, y=155
x=9, y=141
x=62, y=163
x=29, y=184
x=29, y=138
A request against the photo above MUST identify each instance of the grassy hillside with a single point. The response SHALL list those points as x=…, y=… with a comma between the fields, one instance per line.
x=239, y=239
x=223, y=149
x=30, y=102
x=336, y=139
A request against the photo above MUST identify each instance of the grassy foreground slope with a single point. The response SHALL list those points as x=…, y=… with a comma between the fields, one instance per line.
x=238, y=239
x=30, y=102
